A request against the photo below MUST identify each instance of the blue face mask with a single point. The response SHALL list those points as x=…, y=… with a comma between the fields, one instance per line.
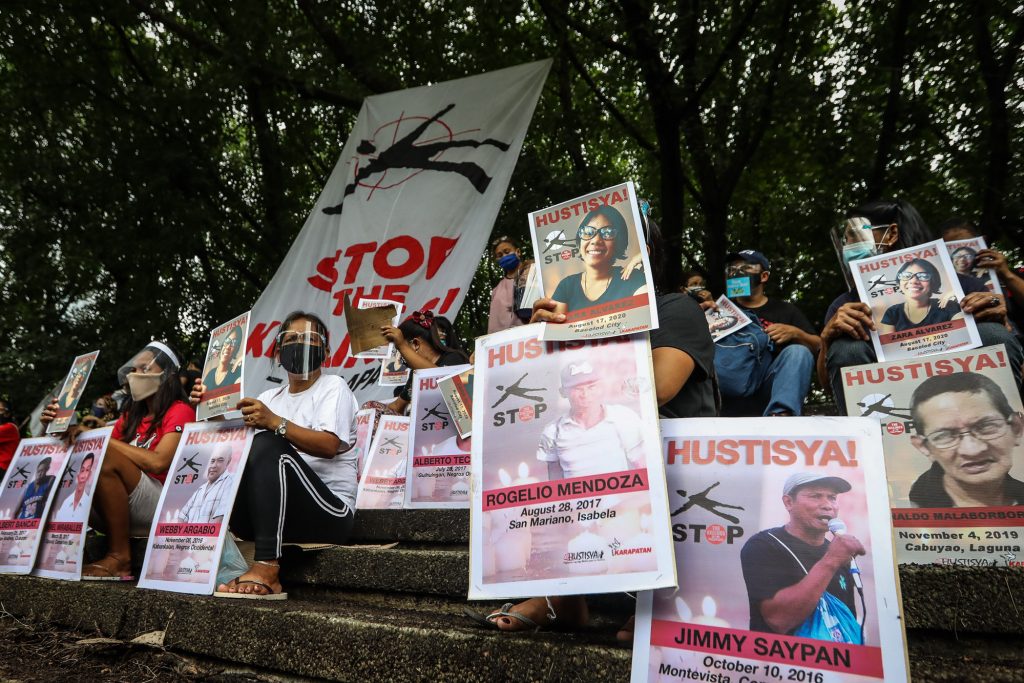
x=853, y=252
x=509, y=261
x=740, y=286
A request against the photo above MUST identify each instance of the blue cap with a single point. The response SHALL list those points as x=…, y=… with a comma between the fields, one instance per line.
x=750, y=256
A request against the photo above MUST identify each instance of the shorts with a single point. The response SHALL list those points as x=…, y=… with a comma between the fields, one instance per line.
x=142, y=504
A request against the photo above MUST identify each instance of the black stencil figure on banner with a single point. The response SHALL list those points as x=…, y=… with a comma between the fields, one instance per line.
x=557, y=238
x=883, y=407
x=880, y=281
x=515, y=390
x=411, y=153
x=190, y=463
x=391, y=442
x=701, y=500
x=20, y=473
x=436, y=412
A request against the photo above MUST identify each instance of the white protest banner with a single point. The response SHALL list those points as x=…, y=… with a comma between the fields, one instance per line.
x=568, y=489
x=727, y=319
x=60, y=554
x=383, y=484
x=366, y=422
x=191, y=520
x=578, y=244
x=384, y=351
x=758, y=505
x=963, y=254
x=437, y=474
x=71, y=392
x=405, y=214
x=951, y=432
x=393, y=371
x=222, y=371
x=913, y=294
x=457, y=392
x=28, y=490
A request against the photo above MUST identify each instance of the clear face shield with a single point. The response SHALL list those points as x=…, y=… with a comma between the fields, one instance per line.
x=301, y=349
x=854, y=239
x=147, y=370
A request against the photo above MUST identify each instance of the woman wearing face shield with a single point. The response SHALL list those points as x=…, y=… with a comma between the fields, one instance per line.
x=299, y=483
x=877, y=228
x=141, y=448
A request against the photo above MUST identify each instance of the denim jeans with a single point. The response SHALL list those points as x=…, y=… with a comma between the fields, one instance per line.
x=783, y=383
x=846, y=351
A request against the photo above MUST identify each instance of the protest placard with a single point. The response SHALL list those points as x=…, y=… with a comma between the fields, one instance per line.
x=568, y=484
x=383, y=484
x=191, y=521
x=222, y=371
x=437, y=474
x=365, y=423
x=364, y=322
x=766, y=518
x=964, y=253
x=457, y=392
x=727, y=319
x=393, y=371
x=71, y=392
x=28, y=490
x=585, y=247
x=913, y=294
x=951, y=432
x=63, y=544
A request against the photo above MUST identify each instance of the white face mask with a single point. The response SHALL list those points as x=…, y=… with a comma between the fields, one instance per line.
x=143, y=385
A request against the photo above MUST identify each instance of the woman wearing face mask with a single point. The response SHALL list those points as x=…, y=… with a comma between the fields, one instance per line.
x=10, y=437
x=299, y=483
x=141, y=448
x=877, y=228
x=425, y=341
x=507, y=296
x=602, y=239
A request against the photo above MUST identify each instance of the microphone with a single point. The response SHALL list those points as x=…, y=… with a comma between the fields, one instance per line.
x=838, y=528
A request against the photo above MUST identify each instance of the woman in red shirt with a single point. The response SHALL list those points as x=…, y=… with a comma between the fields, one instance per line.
x=9, y=437
x=141, y=449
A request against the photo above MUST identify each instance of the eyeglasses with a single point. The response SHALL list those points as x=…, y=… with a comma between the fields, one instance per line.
x=587, y=232
x=921, y=277
x=293, y=337
x=742, y=270
x=988, y=429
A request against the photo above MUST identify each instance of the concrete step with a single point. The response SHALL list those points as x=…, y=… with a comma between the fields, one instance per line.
x=419, y=526
x=963, y=599
x=359, y=638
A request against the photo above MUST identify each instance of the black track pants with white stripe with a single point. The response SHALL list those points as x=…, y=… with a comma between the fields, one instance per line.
x=281, y=499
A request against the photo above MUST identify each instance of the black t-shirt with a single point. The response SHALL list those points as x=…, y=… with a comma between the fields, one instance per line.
x=768, y=568
x=682, y=326
x=447, y=358
x=896, y=315
x=570, y=290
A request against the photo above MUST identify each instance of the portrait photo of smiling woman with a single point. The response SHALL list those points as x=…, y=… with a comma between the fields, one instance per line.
x=920, y=283
x=602, y=240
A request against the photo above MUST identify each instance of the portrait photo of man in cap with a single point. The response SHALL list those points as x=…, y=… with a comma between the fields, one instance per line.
x=594, y=437
x=799, y=582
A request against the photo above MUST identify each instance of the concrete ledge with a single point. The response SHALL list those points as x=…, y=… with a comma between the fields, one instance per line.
x=420, y=526
x=978, y=599
x=340, y=641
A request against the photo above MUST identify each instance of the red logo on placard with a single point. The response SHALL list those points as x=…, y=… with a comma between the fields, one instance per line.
x=526, y=413
x=895, y=428
x=715, y=534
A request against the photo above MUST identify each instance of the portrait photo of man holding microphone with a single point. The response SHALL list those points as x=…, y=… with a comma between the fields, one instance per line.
x=799, y=581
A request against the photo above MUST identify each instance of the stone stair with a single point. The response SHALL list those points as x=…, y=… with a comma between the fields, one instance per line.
x=363, y=613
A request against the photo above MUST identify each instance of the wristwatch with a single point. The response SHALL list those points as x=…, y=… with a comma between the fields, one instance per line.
x=282, y=429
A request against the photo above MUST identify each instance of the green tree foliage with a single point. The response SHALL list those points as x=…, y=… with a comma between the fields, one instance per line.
x=159, y=158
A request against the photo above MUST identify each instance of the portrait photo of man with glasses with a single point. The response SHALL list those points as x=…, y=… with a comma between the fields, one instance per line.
x=967, y=428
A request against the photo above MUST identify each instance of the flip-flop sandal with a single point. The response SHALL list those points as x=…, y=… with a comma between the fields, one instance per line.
x=269, y=595
x=490, y=620
x=111, y=576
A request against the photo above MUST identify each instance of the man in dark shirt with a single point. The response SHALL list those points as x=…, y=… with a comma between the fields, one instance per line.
x=788, y=376
x=789, y=568
x=34, y=499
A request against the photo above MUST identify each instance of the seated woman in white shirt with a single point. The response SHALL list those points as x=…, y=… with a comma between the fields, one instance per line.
x=299, y=483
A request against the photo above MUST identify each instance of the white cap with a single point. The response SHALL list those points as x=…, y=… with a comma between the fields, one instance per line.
x=804, y=478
